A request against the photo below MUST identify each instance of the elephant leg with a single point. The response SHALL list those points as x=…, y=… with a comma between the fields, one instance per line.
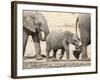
x=84, y=55
x=54, y=54
x=62, y=53
x=36, y=40
x=66, y=47
x=25, y=38
x=67, y=52
x=47, y=52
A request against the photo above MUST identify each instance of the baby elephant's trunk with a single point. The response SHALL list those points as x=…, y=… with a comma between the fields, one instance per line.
x=77, y=52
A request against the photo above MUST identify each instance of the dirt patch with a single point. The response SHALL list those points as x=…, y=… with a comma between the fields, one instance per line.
x=29, y=64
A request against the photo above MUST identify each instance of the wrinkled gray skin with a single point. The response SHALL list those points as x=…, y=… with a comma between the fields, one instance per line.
x=33, y=24
x=84, y=23
x=60, y=40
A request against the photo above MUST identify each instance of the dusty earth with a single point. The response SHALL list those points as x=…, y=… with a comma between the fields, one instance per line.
x=29, y=64
x=58, y=22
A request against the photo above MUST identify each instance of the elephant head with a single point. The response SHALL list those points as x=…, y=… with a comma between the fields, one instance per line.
x=73, y=39
x=76, y=41
x=35, y=22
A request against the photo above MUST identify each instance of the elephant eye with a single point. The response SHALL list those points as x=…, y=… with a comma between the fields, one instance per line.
x=74, y=41
x=35, y=21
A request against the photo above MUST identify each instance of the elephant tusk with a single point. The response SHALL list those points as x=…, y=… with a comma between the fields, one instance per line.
x=42, y=34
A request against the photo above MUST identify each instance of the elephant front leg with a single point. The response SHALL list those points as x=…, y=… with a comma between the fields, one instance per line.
x=67, y=52
x=54, y=54
x=47, y=52
x=66, y=47
x=62, y=53
x=36, y=40
x=84, y=55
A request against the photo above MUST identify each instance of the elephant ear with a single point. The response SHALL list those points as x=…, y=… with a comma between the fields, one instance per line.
x=69, y=36
x=28, y=23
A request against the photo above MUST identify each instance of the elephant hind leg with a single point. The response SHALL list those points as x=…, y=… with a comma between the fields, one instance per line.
x=84, y=55
x=62, y=53
x=47, y=52
x=54, y=54
x=67, y=53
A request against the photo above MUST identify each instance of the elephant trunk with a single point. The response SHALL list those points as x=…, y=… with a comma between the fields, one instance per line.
x=77, y=52
x=43, y=29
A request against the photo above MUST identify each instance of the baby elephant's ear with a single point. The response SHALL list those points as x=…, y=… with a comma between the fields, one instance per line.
x=75, y=37
x=28, y=23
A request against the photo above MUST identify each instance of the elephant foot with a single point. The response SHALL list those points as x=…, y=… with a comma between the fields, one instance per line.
x=85, y=59
x=48, y=60
x=39, y=57
x=54, y=59
x=60, y=58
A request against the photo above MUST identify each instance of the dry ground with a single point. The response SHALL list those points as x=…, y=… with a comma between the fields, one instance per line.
x=51, y=64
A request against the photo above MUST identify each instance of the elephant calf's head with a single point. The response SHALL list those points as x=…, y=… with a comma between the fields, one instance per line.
x=75, y=41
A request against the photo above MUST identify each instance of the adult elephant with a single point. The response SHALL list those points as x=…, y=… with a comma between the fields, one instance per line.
x=33, y=24
x=84, y=23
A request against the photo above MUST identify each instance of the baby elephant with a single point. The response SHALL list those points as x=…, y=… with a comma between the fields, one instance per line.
x=60, y=40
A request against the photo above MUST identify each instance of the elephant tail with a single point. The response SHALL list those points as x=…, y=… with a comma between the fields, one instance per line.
x=77, y=26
